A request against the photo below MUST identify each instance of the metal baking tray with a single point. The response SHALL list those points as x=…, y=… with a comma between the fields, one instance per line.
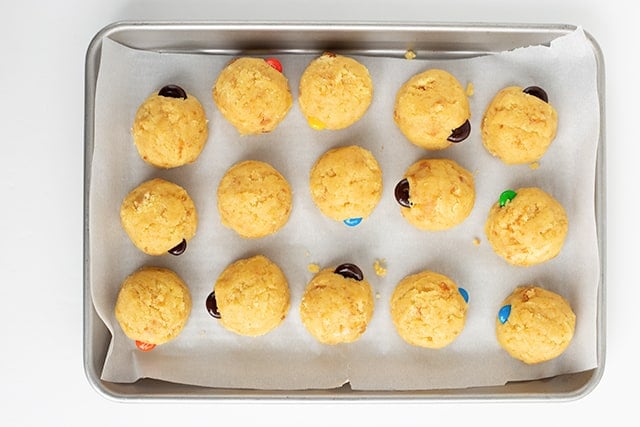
x=442, y=40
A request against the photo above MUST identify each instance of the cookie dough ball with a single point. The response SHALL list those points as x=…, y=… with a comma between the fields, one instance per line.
x=519, y=125
x=170, y=128
x=535, y=325
x=428, y=309
x=436, y=194
x=251, y=296
x=252, y=95
x=527, y=226
x=159, y=217
x=432, y=110
x=254, y=199
x=346, y=184
x=153, y=305
x=335, y=91
x=337, y=305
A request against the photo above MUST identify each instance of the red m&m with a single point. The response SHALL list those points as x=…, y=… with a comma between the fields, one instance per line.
x=143, y=346
x=274, y=63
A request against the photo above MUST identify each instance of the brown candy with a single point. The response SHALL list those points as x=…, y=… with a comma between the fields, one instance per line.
x=538, y=92
x=179, y=248
x=461, y=133
x=212, y=305
x=173, y=91
x=349, y=271
x=402, y=193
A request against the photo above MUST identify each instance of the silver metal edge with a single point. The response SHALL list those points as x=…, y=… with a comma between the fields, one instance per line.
x=92, y=57
x=91, y=71
x=601, y=219
x=119, y=26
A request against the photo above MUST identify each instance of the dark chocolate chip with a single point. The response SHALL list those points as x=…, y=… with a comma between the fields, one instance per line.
x=349, y=271
x=538, y=92
x=461, y=133
x=179, y=249
x=402, y=193
x=173, y=91
x=212, y=305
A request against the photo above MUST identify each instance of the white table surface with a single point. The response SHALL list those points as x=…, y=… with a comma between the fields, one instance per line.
x=42, y=381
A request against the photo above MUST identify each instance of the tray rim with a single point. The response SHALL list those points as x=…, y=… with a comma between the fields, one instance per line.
x=107, y=390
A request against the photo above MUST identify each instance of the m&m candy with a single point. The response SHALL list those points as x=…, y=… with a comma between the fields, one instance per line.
x=503, y=314
x=352, y=222
x=143, y=346
x=507, y=196
x=274, y=63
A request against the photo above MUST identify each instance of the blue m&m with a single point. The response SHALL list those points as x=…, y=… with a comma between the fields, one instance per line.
x=503, y=314
x=352, y=222
x=465, y=294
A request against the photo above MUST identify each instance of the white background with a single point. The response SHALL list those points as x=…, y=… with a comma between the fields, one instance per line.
x=43, y=46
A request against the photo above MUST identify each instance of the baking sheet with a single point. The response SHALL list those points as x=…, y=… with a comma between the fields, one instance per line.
x=288, y=358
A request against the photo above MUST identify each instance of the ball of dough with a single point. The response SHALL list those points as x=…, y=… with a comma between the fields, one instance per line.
x=428, y=309
x=159, y=216
x=254, y=199
x=346, y=183
x=252, y=95
x=429, y=107
x=518, y=127
x=170, y=128
x=535, y=325
x=252, y=296
x=440, y=194
x=337, y=305
x=335, y=91
x=529, y=229
x=153, y=305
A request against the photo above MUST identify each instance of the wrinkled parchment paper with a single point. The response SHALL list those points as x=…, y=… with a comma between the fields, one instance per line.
x=288, y=357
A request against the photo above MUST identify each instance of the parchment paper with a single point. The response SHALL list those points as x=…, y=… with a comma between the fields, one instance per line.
x=288, y=357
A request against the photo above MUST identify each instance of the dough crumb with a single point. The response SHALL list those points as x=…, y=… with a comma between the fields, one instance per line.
x=409, y=54
x=313, y=267
x=469, y=90
x=476, y=241
x=380, y=267
x=533, y=166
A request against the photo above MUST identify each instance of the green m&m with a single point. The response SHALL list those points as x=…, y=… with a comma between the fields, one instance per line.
x=507, y=196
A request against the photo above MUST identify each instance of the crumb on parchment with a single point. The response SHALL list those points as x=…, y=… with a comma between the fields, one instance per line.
x=533, y=166
x=409, y=54
x=380, y=267
x=469, y=89
x=313, y=267
x=476, y=241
